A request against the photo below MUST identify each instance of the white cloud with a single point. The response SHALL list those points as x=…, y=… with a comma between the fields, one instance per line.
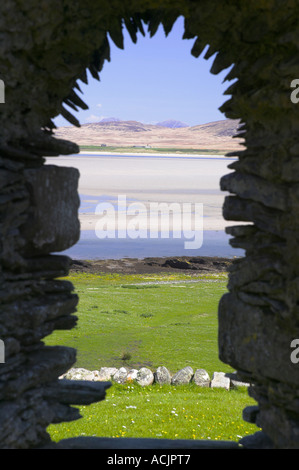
x=93, y=118
x=99, y=105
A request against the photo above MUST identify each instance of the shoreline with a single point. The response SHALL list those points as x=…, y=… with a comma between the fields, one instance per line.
x=150, y=154
x=146, y=179
x=191, y=265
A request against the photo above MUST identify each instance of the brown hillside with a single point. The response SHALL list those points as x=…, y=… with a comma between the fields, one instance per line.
x=216, y=135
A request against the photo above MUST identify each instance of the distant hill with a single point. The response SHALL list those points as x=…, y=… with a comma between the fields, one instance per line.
x=111, y=119
x=172, y=124
x=117, y=126
x=217, y=135
x=225, y=128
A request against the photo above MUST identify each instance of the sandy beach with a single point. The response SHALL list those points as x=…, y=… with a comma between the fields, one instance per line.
x=148, y=179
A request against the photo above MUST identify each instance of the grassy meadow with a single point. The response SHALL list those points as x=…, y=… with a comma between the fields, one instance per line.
x=117, y=149
x=152, y=320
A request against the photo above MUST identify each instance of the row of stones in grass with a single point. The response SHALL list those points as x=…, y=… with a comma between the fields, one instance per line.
x=145, y=377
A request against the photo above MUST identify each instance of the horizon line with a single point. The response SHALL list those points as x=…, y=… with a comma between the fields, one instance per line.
x=147, y=123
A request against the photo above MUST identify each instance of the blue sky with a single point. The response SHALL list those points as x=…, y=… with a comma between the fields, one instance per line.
x=153, y=80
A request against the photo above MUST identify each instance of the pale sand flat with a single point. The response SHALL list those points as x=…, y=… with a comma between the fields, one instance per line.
x=148, y=179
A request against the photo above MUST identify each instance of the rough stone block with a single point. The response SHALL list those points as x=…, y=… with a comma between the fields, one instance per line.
x=121, y=375
x=106, y=373
x=201, y=378
x=183, y=376
x=219, y=380
x=53, y=223
x=256, y=189
x=145, y=376
x=162, y=375
x=251, y=339
x=132, y=375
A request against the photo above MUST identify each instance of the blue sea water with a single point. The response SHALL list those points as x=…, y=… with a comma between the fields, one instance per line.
x=215, y=243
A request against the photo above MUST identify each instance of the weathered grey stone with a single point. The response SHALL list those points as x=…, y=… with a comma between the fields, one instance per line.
x=255, y=188
x=183, y=376
x=34, y=368
x=77, y=392
x=121, y=375
x=248, y=329
x=106, y=373
x=162, y=375
x=265, y=218
x=53, y=224
x=79, y=373
x=201, y=378
x=144, y=377
x=219, y=380
x=132, y=375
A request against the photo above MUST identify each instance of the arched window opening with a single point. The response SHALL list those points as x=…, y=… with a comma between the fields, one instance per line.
x=151, y=214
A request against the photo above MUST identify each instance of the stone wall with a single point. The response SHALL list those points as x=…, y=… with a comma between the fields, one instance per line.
x=46, y=46
x=161, y=376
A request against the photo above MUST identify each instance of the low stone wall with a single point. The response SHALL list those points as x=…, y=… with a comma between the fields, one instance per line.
x=145, y=376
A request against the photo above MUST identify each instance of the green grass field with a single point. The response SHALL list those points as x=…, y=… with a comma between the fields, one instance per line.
x=168, y=320
x=181, y=412
x=98, y=148
x=152, y=320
